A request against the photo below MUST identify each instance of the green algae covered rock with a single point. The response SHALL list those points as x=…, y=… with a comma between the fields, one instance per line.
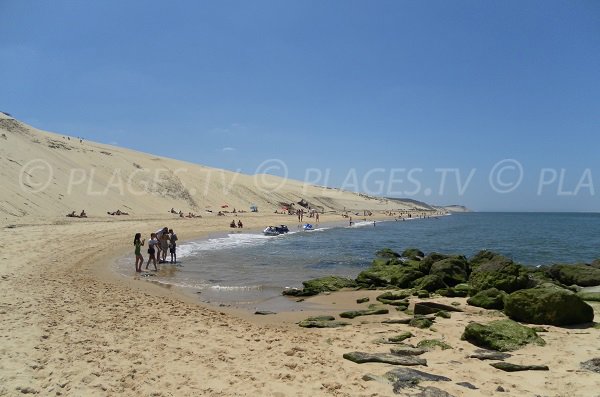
x=357, y=313
x=589, y=296
x=491, y=298
x=413, y=253
x=505, y=276
x=501, y=335
x=432, y=344
x=387, y=253
x=420, y=322
x=552, y=306
x=426, y=263
x=323, y=284
x=485, y=256
x=386, y=275
x=400, y=337
x=431, y=283
x=580, y=274
x=453, y=270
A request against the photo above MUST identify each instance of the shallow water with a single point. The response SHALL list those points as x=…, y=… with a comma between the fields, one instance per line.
x=251, y=269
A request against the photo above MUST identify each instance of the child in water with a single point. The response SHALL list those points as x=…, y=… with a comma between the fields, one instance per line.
x=139, y=259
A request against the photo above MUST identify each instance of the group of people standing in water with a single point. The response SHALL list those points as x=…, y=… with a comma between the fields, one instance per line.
x=159, y=243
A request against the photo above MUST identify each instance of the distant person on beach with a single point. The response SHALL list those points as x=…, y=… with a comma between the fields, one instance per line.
x=83, y=214
x=139, y=259
x=158, y=235
x=173, y=248
x=232, y=224
x=350, y=222
x=317, y=217
x=240, y=224
x=164, y=245
x=152, y=244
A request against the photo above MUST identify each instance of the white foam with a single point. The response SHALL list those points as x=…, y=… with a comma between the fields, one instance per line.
x=231, y=241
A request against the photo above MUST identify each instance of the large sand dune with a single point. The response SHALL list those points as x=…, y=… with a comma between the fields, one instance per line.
x=47, y=175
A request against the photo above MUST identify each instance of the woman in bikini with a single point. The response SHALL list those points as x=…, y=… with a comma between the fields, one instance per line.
x=139, y=259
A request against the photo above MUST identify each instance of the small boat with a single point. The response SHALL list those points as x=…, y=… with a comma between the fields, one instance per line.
x=282, y=229
x=271, y=231
x=308, y=226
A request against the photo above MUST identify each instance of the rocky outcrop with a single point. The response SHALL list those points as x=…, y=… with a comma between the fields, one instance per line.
x=501, y=335
x=385, y=358
x=580, y=274
x=323, y=284
x=491, y=298
x=505, y=276
x=552, y=306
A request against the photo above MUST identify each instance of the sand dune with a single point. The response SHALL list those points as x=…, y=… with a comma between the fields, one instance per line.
x=48, y=175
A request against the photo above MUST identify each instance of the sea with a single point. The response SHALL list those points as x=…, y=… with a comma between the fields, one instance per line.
x=250, y=270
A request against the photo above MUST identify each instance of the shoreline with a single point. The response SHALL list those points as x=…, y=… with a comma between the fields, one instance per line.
x=70, y=327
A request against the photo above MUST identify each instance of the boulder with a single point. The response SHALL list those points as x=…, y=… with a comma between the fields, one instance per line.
x=430, y=283
x=362, y=300
x=400, y=338
x=485, y=256
x=407, y=351
x=491, y=298
x=413, y=253
x=458, y=291
x=580, y=274
x=592, y=365
x=390, y=273
x=386, y=358
x=505, y=276
x=421, y=322
x=407, y=378
x=501, y=335
x=552, y=306
x=323, y=284
x=426, y=263
x=387, y=253
x=453, y=271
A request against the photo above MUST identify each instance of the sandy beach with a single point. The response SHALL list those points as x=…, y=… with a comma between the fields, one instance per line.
x=71, y=326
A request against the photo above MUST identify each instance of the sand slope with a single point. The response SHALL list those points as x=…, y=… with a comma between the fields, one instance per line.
x=48, y=175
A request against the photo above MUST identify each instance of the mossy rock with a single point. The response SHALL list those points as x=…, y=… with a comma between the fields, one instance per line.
x=431, y=283
x=387, y=253
x=505, y=276
x=485, y=256
x=322, y=324
x=589, y=296
x=413, y=253
x=420, y=322
x=432, y=344
x=362, y=300
x=491, y=299
x=394, y=295
x=357, y=313
x=321, y=318
x=426, y=263
x=453, y=270
x=323, y=284
x=501, y=335
x=400, y=338
x=552, y=306
x=580, y=274
x=443, y=314
x=422, y=294
x=453, y=292
x=391, y=274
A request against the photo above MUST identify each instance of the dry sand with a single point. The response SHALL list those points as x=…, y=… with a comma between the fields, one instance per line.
x=70, y=326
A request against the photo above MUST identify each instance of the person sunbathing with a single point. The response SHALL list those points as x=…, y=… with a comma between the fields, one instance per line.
x=72, y=215
x=83, y=214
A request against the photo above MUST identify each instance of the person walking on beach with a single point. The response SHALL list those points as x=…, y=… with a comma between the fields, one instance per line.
x=173, y=249
x=316, y=217
x=159, y=233
x=139, y=259
x=152, y=243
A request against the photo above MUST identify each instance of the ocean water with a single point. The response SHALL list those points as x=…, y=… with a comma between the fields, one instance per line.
x=251, y=270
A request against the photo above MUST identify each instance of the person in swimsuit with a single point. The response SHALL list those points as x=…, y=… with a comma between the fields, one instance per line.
x=139, y=259
x=164, y=245
x=152, y=243
x=173, y=248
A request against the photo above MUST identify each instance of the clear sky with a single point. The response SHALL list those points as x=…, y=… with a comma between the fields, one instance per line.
x=397, y=98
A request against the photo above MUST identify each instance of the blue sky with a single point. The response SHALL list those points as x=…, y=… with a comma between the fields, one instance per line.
x=401, y=98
